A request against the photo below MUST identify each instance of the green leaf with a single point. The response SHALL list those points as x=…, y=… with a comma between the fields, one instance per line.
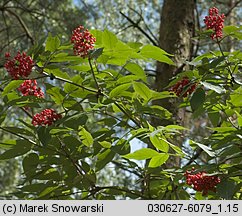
x=66, y=47
x=58, y=73
x=159, y=143
x=142, y=154
x=158, y=160
x=233, y=31
x=127, y=79
x=48, y=190
x=176, y=127
x=161, y=95
x=119, y=89
x=136, y=70
x=72, y=143
x=198, y=98
x=142, y=90
x=119, y=54
x=98, y=35
x=122, y=147
x=177, y=149
x=30, y=163
x=56, y=95
x=69, y=88
x=21, y=148
x=7, y=144
x=81, y=68
x=215, y=88
x=33, y=187
x=52, y=43
x=104, y=158
x=96, y=53
x=236, y=97
x=156, y=53
x=75, y=121
x=109, y=40
x=205, y=148
x=154, y=110
x=226, y=189
x=13, y=98
x=135, y=45
x=239, y=118
x=21, y=131
x=224, y=129
x=13, y=85
x=217, y=61
x=105, y=144
x=44, y=134
x=86, y=137
x=68, y=58
x=49, y=174
x=59, y=130
x=214, y=117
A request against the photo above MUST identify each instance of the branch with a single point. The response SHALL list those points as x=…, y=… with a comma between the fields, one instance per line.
x=93, y=74
x=141, y=17
x=5, y=22
x=136, y=193
x=120, y=165
x=18, y=135
x=25, y=28
x=231, y=9
x=51, y=76
x=194, y=157
x=199, y=29
x=135, y=25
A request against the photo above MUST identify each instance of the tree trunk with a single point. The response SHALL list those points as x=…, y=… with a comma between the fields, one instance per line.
x=176, y=30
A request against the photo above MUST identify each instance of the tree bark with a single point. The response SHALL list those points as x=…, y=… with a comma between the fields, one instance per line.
x=176, y=30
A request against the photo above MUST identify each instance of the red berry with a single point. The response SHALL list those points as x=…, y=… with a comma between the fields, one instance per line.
x=29, y=87
x=183, y=87
x=20, y=66
x=83, y=41
x=215, y=22
x=7, y=55
x=46, y=117
x=201, y=181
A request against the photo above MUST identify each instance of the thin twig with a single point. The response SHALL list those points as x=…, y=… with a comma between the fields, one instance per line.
x=51, y=76
x=149, y=30
x=25, y=28
x=227, y=63
x=231, y=9
x=16, y=134
x=93, y=74
x=135, y=25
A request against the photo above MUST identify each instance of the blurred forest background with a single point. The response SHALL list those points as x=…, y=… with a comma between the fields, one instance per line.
x=172, y=24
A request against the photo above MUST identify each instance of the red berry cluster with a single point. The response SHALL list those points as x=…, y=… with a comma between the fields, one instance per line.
x=29, y=87
x=20, y=66
x=183, y=87
x=83, y=41
x=46, y=117
x=201, y=181
x=215, y=22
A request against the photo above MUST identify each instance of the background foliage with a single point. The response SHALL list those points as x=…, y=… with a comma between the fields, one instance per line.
x=105, y=146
